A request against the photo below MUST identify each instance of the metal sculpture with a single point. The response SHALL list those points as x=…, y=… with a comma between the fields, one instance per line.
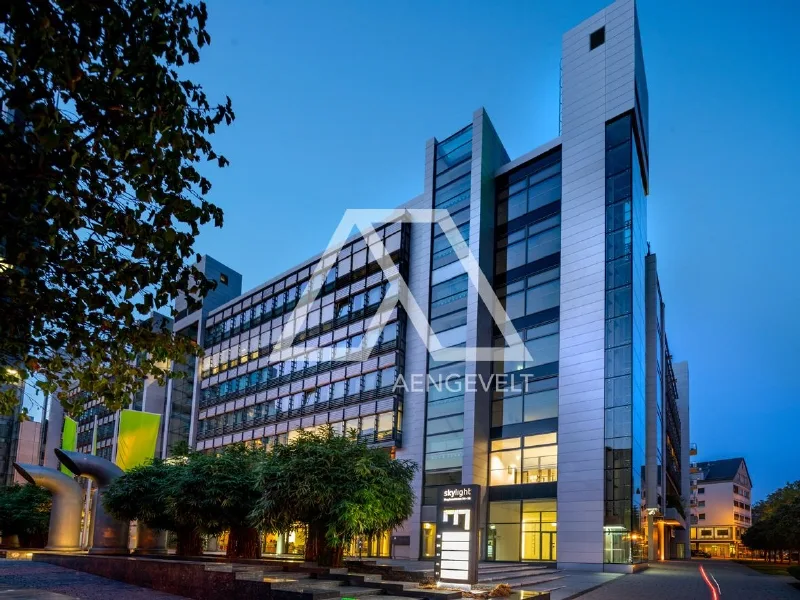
x=110, y=536
x=65, y=514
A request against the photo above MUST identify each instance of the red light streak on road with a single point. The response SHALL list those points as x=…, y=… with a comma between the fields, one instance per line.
x=711, y=586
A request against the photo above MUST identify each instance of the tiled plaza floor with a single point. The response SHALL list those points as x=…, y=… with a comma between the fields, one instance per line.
x=39, y=581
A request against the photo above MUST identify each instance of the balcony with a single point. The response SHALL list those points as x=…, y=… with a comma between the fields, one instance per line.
x=693, y=450
x=693, y=468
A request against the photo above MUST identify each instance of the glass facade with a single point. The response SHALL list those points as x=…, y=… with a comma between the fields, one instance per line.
x=444, y=431
x=337, y=357
x=180, y=417
x=626, y=247
x=523, y=456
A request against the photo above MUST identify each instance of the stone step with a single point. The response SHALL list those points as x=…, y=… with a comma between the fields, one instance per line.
x=308, y=592
x=509, y=567
x=510, y=576
x=522, y=583
x=356, y=591
x=411, y=589
x=287, y=578
x=363, y=578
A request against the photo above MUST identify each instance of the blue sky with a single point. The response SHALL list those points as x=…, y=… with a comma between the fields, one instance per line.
x=335, y=100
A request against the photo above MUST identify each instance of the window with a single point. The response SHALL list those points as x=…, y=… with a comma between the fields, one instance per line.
x=597, y=38
x=701, y=504
x=735, y=489
x=535, y=463
x=343, y=308
x=701, y=490
x=702, y=516
x=223, y=278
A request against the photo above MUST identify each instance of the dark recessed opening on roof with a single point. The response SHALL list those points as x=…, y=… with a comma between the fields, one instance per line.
x=223, y=278
x=597, y=38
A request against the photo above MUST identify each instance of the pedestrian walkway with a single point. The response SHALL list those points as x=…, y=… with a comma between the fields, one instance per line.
x=39, y=581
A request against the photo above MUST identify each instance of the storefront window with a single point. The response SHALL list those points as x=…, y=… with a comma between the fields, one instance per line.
x=539, y=537
x=522, y=531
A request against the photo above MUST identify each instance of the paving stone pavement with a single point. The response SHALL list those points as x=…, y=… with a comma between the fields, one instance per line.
x=39, y=581
x=684, y=581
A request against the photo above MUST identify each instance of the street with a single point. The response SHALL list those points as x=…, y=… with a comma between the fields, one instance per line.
x=686, y=581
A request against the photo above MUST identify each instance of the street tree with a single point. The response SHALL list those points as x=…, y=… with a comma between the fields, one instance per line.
x=102, y=190
x=337, y=487
x=194, y=495
x=776, y=524
x=220, y=491
x=144, y=494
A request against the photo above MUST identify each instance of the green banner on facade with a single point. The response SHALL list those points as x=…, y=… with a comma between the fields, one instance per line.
x=138, y=433
x=69, y=440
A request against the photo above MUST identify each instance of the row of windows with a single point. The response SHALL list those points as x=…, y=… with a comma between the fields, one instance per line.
x=346, y=387
x=709, y=533
x=316, y=317
x=252, y=349
x=349, y=267
x=378, y=427
x=741, y=491
x=738, y=504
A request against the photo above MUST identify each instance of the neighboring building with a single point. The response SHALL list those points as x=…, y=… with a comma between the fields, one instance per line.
x=720, y=503
x=667, y=454
x=98, y=426
x=681, y=370
x=28, y=446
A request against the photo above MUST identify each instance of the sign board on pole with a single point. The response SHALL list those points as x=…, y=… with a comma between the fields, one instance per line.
x=457, y=534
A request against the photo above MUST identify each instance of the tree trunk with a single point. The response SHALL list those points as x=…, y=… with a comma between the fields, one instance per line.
x=318, y=550
x=315, y=538
x=190, y=543
x=244, y=542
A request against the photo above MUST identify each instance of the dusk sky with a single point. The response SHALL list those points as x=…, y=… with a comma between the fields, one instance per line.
x=335, y=101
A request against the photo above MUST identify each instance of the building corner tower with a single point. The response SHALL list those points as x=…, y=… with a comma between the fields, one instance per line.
x=602, y=367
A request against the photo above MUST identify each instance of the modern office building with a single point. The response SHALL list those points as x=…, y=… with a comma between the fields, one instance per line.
x=720, y=505
x=575, y=424
x=28, y=446
x=98, y=427
x=582, y=458
x=667, y=454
